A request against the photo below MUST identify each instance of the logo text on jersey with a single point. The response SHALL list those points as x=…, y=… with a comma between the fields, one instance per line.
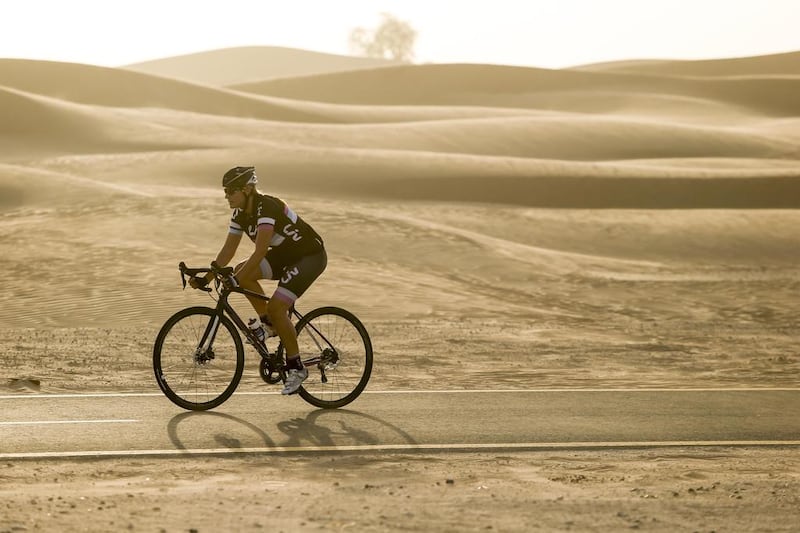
x=293, y=233
x=289, y=274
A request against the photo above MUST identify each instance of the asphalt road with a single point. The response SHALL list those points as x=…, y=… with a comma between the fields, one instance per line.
x=148, y=424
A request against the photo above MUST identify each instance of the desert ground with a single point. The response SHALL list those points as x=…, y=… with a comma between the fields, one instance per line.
x=618, y=225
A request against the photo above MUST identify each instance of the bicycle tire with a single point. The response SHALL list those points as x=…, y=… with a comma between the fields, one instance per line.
x=354, y=347
x=192, y=380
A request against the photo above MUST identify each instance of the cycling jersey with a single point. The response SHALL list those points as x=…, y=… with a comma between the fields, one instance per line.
x=293, y=237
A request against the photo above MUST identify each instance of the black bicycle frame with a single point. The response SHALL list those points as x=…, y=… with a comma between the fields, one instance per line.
x=223, y=306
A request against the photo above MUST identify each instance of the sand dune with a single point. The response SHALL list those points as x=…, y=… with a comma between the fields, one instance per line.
x=491, y=85
x=764, y=65
x=122, y=88
x=36, y=122
x=254, y=63
x=39, y=188
x=343, y=174
x=636, y=158
x=562, y=136
x=37, y=125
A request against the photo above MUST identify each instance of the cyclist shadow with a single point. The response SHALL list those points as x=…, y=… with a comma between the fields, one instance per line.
x=340, y=428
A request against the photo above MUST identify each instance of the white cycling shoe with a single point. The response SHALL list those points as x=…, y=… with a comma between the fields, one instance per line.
x=294, y=378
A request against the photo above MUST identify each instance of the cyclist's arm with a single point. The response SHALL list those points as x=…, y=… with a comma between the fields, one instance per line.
x=228, y=249
x=253, y=264
x=226, y=253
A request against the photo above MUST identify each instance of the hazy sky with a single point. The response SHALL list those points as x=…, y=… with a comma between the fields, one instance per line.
x=544, y=33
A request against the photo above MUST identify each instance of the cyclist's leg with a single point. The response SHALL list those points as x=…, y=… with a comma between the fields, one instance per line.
x=252, y=284
x=296, y=280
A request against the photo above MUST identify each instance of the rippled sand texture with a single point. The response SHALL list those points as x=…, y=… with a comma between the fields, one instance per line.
x=621, y=223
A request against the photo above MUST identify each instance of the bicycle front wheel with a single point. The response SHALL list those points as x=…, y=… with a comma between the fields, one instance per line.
x=198, y=358
x=336, y=349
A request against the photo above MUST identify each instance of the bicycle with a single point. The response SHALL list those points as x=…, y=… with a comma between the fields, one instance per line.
x=198, y=356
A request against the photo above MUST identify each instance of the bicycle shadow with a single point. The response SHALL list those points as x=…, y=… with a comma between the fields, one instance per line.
x=321, y=428
x=224, y=439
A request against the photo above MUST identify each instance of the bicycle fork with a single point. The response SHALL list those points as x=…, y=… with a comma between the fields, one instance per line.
x=204, y=353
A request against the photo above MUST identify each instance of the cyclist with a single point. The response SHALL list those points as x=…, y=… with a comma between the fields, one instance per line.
x=286, y=249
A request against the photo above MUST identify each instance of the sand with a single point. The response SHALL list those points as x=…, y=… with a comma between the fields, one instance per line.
x=628, y=225
x=676, y=490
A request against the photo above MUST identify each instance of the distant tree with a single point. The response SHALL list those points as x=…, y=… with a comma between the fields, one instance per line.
x=392, y=39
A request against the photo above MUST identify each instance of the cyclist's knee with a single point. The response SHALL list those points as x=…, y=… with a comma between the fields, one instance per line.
x=277, y=308
x=264, y=271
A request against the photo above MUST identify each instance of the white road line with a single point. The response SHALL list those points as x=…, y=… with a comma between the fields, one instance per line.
x=45, y=396
x=503, y=391
x=532, y=446
x=419, y=391
x=46, y=422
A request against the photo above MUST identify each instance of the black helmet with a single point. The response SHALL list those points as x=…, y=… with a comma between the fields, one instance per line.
x=238, y=177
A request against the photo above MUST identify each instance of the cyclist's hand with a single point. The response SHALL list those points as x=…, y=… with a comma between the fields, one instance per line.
x=198, y=283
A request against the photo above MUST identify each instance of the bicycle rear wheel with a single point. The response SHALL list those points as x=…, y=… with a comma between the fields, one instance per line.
x=198, y=358
x=336, y=349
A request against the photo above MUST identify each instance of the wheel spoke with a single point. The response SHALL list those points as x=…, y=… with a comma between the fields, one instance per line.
x=333, y=331
x=191, y=376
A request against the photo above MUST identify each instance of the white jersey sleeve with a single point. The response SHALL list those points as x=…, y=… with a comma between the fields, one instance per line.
x=235, y=227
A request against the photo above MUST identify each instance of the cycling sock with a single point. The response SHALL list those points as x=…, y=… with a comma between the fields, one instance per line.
x=294, y=362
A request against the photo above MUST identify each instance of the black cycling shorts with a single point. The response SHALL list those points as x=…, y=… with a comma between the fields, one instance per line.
x=295, y=275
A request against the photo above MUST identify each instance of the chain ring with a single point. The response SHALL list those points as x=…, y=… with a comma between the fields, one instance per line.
x=270, y=377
